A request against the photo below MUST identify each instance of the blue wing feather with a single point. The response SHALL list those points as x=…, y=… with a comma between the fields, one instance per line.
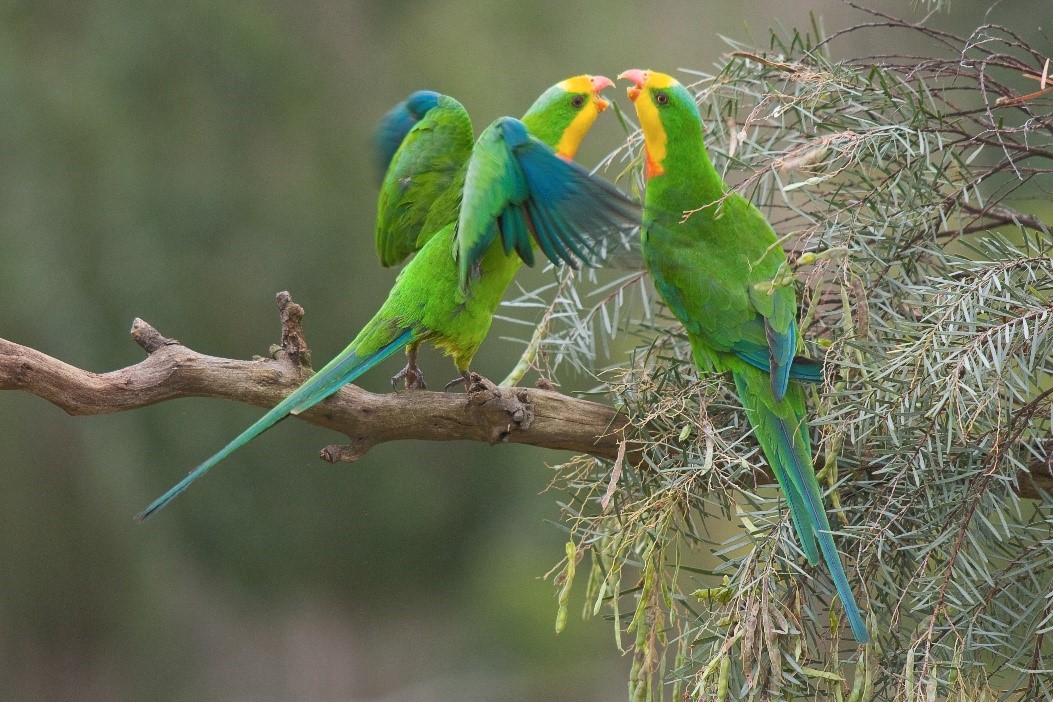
x=781, y=346
x=805, y=370
x=775, y=356
x=515, y=235
x=537, y=198
x=393, y=128
x=548, y=235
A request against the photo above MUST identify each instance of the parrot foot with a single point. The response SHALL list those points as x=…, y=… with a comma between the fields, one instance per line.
x=413, y=376
x=465, y=377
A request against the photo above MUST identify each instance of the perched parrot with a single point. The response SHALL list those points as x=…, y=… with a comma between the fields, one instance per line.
x=719, y=266
x=516, y=186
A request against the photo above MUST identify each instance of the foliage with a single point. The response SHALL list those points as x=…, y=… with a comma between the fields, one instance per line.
x=929, y=298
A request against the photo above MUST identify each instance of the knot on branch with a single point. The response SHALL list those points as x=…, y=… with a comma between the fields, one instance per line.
x=543, y=383
x=148, y=338
x=501, y=410
x=338, y=453
x=293, y=349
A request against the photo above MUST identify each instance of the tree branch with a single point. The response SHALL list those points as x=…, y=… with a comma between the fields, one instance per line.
x=488, y=413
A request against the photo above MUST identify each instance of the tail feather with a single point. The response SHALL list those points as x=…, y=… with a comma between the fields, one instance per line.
x=785, y=442
x=344, y=368
x=794, y=495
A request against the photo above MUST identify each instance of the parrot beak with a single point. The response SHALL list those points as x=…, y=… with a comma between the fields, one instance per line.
x=598, y=84
x=638, y=77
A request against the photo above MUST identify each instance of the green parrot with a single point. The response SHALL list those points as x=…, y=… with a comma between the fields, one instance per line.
x=520, y=189
x=718, y=264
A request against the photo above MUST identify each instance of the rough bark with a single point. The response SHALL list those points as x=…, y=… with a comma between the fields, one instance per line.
x=171, y=370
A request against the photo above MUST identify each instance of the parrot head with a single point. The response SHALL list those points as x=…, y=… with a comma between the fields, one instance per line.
x=420, y=102
x=399, y=120
x=664, y=107
x=563, y=114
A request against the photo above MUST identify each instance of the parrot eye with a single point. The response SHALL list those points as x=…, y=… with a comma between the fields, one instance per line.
x=577, y=101
x=661, y=98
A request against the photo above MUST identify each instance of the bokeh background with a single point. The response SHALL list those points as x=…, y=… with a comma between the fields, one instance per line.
x=183, y=162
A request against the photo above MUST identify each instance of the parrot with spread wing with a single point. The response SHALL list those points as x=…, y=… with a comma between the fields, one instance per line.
x=520, y=189
x=719, y=266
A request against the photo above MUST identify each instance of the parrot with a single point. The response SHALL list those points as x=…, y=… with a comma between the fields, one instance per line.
x=720, y=268
x=532, y=191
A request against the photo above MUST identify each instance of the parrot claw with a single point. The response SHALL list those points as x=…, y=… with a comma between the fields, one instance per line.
x=413, y=376
x=465, y=377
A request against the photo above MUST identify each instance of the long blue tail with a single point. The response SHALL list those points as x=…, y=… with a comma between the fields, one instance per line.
x=787, y=447
x=341, y=370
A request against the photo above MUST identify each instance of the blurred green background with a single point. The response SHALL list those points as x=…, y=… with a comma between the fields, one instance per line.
x=182, y=162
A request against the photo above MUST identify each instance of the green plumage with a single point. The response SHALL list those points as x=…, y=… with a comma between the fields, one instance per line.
x=421, y=189
x=719, y=268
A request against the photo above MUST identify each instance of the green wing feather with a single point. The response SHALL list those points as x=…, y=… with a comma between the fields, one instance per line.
x=421, y=188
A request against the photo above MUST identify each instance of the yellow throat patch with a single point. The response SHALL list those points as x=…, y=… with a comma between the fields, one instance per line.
x=651, y=124
x=583, y=121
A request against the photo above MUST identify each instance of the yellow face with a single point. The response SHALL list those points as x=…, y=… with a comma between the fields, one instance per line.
x=583, y=121
x=650, y=123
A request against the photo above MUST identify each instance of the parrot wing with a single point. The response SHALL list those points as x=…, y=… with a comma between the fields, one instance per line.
x=518, y=189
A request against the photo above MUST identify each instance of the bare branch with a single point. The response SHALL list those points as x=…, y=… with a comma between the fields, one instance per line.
x=491, y=414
